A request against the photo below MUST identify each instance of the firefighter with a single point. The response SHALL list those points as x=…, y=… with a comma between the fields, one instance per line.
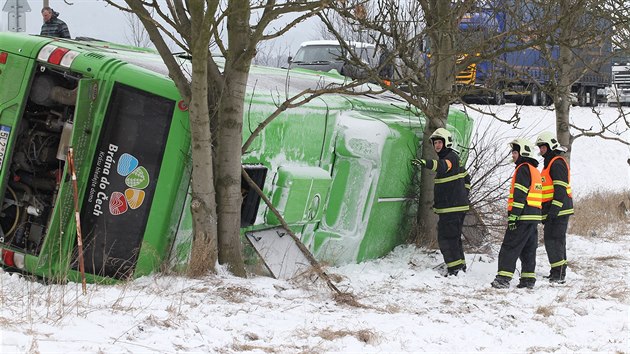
x=450, y=194
x=524, y=214
x=557, y=204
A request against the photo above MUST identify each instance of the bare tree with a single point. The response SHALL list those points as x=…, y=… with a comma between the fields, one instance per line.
x=573, y=49
x=426, y=46
x=272, y=54
x=216, y=100
x=577, y=51
x=348, y=30
x=439, y=46
x=135, y=33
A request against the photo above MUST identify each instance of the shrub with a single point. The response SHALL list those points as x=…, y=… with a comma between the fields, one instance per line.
x=601, y=213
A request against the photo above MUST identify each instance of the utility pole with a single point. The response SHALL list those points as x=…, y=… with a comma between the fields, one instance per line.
x=46, y=3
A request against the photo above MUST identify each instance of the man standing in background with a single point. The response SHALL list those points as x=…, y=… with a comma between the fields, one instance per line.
x=53, y=26
x=524, y=205
x=557, y=204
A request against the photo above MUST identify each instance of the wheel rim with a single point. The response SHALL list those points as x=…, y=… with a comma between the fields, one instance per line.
x=543, y=99
x=534, y=96
x=498, y=97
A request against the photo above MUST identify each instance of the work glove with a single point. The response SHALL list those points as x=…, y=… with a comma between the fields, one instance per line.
x=553, y=212
x=512, y=222
x=419, y=162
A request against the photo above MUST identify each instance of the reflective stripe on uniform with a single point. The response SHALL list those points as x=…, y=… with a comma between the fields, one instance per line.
x=450, y=178
x=559, y=263
x=534, y=192
x=566, y=212
x=451, y=209
x=505, y=274
x=434, y=165
x=455, y=263
x=521, y=187
x=548, y=183
x=530, y=217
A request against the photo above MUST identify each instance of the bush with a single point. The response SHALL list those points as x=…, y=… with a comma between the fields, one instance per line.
x=601, y=213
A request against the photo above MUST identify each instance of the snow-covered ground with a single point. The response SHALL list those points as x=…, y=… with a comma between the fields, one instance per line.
x=406, y=305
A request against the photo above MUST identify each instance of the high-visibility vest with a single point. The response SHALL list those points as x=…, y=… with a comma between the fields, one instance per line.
x=547, y=182
x=534, y=193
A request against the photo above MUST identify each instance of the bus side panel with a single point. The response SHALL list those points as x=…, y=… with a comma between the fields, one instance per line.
x=124, y=176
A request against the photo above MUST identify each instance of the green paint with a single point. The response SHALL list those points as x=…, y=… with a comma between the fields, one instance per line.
x=337, y=168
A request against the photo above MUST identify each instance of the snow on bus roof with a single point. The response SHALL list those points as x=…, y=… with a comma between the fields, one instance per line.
x=334, y=42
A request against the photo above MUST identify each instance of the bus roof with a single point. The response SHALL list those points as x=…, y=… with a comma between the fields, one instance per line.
x=334, y=42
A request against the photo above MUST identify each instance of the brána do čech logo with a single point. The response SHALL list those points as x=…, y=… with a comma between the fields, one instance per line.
x=136, y=178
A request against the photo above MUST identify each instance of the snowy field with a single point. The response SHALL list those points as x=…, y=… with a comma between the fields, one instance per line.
x=406, y=305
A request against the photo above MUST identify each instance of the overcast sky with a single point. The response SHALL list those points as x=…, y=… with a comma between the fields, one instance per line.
x=96, y=19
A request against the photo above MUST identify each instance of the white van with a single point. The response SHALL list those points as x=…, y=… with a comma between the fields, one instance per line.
x=326, y=55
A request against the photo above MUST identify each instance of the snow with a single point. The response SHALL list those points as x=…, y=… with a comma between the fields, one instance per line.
x=407, y=305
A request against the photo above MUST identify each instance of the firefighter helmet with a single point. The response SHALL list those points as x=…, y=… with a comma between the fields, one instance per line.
x=443, y=134
x=523, y=147
x=548, y=138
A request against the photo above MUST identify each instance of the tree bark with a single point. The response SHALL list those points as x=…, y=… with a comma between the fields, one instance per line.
x=569, y=31
x=230, y=139
x=203, y=206
x=563, y=105
x=440, y=29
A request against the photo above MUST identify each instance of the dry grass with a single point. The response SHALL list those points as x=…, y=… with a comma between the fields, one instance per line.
x=235, y=294
x=620, y=293
x=545, y=311
x=199, y=259
x=601, y=214
x=240, y=347
x=364, y=335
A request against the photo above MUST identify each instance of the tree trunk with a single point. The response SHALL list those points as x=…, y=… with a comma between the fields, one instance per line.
x=563, y=106
x=440, y=81
x=230, y=139
x=567, y=63
x=204, y=252
x=228, y=176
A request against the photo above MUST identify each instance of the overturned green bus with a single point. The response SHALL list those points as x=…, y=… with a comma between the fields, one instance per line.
x=337, y=168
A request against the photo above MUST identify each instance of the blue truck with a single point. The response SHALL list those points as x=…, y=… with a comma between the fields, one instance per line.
x=522, y=74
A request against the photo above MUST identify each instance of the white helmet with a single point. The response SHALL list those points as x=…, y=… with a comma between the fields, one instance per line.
x=548, y=138
x=523, y=146
x=443, y=134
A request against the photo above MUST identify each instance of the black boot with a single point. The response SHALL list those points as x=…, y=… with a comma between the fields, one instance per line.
x=501, y=282
x=456, y=269
x=557, y=274
x=526, y=283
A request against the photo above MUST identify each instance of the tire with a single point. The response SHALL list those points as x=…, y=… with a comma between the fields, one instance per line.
x=498, y=97
x=581, y=96
x=544, y=99
x=592, y=100
x=532, y=99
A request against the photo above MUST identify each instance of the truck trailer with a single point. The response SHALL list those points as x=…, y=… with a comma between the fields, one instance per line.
x=337, y=168
x=521, y=74
x=619, y=92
